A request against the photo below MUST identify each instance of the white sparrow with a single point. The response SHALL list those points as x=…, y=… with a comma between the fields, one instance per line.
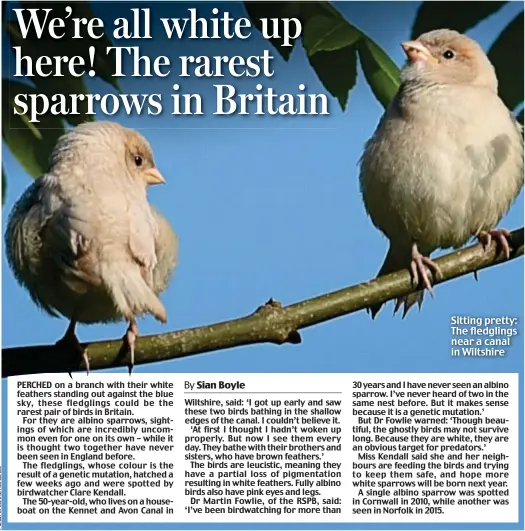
x=446, y=160
x=83, y=239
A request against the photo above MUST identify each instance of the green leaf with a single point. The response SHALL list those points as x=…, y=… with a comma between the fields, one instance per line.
x=506, y=54
x=337, y=71
x=380, y=71
x=324, y=33
x=4, y=185
x=459, y=16
x=258, y=10
x=328, y=8
x=31, y=145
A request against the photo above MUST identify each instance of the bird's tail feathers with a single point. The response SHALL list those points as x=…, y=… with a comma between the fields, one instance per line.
x=396, y=260
x=130, y=292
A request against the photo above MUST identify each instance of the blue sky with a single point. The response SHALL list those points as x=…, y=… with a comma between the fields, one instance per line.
x=271, y=208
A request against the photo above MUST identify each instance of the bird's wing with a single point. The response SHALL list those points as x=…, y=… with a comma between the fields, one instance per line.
x=22, y=235
x=489, y=155
x=25, y=250
x=487, y=159
x=166, y=249
x=69, y=240
x=66, y=233
x=92, y=226
x=42, y=243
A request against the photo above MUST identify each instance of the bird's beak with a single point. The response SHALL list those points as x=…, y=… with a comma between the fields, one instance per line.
x=153, y=176
x=417, y=52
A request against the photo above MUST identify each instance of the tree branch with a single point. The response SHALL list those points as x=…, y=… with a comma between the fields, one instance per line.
x=270, y=323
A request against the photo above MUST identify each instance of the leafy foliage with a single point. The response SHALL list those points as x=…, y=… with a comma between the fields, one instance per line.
x=460, y=16
x=506, y=54
x=333, y=46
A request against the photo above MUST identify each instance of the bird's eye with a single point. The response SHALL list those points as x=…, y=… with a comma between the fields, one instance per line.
x=138, y=160
x=448, y=54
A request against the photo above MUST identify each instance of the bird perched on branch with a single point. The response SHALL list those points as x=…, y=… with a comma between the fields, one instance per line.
x=446, y=160
x=83, y=239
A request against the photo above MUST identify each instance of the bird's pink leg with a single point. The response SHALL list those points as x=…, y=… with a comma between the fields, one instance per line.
x=501, y=236
x=419, y=271
x=129, y=342
x=71, y=344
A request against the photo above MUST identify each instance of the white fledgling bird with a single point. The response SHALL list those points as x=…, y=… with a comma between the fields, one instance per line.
x=83, y=239
x=446, y=160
